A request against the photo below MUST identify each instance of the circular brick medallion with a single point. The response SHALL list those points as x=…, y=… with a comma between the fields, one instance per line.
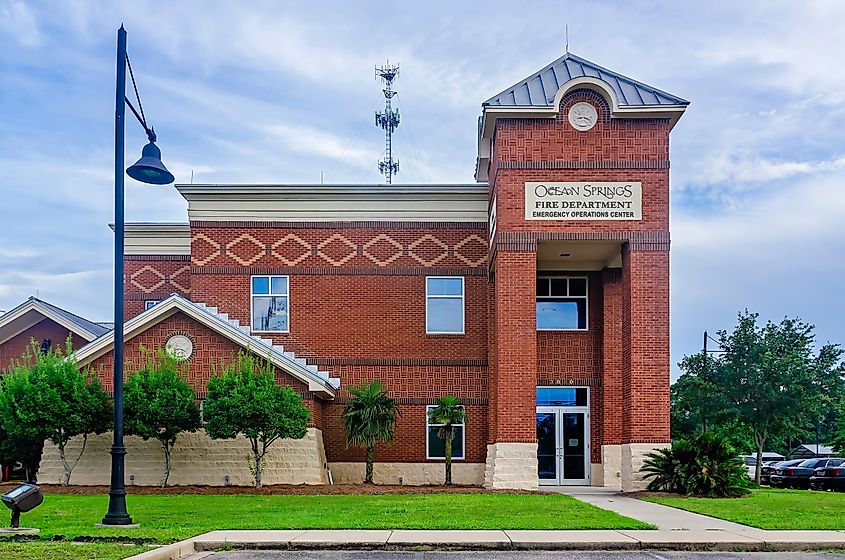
x=179, y=346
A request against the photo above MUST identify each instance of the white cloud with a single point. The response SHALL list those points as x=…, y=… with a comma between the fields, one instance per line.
x=274, y=92
x=18, y=21
x=308, y=140
x=777, y=254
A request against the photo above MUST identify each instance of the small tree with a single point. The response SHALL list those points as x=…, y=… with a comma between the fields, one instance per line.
x=14, y=448
x=448, y=412
x=769, y=379
x=51, y=399
x=243, y=398
x=369, y=416
x=159, y=404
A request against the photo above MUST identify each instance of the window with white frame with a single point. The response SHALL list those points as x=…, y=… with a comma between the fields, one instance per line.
x=444, y=305
x=561, y=303
x=270, y=304
x=148, y=304
x=435, y=446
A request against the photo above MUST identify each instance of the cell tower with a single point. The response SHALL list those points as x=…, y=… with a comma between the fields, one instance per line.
x=388, y=120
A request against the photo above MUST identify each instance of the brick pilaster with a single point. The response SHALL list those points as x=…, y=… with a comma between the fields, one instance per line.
x=645, y=344
x=611, y=417
x=513, y=405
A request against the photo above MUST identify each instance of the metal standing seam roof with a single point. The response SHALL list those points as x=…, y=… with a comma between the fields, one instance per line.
x=83, y=324
x=90, y=326
x=539, y=89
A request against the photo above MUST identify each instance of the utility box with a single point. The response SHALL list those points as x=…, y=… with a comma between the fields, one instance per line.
x=22, y=499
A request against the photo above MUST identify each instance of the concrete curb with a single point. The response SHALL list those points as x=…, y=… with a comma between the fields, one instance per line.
x=750, y=540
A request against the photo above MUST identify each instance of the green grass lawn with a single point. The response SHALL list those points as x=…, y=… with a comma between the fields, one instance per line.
x=768, y=508
x=168, y=518
x=66, y=551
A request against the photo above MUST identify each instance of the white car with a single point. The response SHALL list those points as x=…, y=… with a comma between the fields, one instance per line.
x=751, y=461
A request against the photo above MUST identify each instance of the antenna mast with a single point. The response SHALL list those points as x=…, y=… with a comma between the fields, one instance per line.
x=388, y=120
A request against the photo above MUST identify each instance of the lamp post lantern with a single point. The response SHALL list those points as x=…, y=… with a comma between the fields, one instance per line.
x=148, y=169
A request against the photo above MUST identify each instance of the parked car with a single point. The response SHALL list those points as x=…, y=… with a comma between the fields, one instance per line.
x=751, y=461
x=798, y=476
x=11, y=472
x=769, y=468
x=829, y=477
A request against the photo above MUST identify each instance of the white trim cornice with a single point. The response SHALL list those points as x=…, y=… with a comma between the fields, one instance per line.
x=336, y=203
x=145, y=238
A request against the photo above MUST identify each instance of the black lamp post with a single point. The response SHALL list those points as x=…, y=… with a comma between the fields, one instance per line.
x=148, y=169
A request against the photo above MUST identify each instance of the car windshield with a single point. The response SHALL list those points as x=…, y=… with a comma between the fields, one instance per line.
x=809, y=463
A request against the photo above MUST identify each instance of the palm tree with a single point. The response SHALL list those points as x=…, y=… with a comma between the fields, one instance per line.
x=448, y=412
x=369, y=416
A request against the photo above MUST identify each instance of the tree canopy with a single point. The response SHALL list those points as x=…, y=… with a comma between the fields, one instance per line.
x=448, y=412
x=160, y=404
x=769, y=379
x=47, y=397
x=369, y=416
x=243, y=398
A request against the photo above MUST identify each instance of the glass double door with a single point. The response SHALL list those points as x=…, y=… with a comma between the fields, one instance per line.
x=563, y=445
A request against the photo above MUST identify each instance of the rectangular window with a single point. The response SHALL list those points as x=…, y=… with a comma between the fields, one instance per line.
x=562, y=396
x=270, y=304
x=444, y=305
x=435, y=446
x=149, y=304
x=561, y=303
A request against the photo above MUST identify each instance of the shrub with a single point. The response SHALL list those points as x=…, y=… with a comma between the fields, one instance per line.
x=160, y=404
x=47, y=397
x=705, y=465
x=19, y=448
x=245, y=399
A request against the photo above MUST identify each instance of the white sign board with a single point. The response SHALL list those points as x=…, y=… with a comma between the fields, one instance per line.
x=589, y=200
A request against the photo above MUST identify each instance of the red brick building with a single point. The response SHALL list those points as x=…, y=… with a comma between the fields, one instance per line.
x=42, y=322
x=539, y=295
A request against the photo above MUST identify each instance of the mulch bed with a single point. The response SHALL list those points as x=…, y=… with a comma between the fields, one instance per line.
x=284, y=489
x=647, y=494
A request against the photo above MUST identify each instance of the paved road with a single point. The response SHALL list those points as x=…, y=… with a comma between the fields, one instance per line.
x=501, y=555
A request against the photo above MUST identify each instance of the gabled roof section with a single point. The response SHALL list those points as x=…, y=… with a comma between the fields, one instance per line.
x=539, y=95
x=318, y=381
x=541, y=88
x=34, y=310
x=806, y=449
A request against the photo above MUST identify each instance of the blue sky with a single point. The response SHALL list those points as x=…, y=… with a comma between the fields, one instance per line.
x=280, y=92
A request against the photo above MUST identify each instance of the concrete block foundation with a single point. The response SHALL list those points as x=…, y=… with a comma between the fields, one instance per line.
x=196, y=459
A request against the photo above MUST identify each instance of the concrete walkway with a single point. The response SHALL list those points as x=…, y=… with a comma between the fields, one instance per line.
x=665, y=518
x=694, y=539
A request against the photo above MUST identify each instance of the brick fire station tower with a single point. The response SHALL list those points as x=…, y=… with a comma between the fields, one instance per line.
x=577, y=161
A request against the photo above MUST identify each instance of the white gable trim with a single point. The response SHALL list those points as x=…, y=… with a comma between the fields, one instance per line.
x=19, y=314
x=317, y=381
